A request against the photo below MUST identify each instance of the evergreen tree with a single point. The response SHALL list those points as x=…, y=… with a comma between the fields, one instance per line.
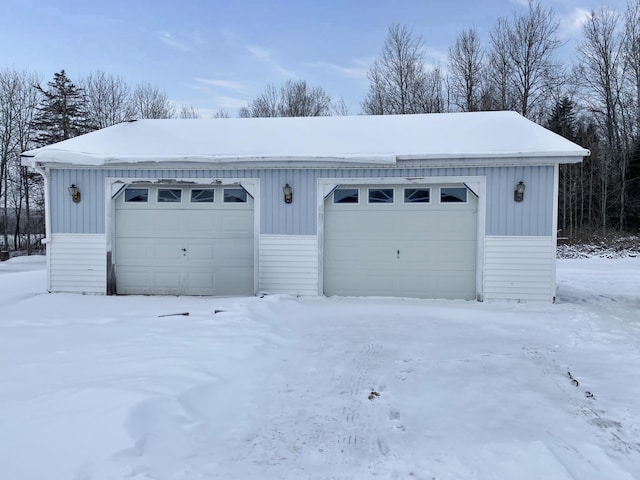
x=563, y=119
x=571, y=189
x=62, y=113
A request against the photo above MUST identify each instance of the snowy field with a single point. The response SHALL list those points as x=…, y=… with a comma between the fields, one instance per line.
x=97, y=388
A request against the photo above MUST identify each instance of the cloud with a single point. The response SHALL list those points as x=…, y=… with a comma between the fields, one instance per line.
x=170, y=40
x=265, y=56
x=230, y=103
x=572, y=22
x=436, y=56
x=259, y=53
x=357, y=69
x=228, y=84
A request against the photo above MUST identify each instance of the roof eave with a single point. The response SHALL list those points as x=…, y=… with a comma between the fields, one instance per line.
x=387, y=161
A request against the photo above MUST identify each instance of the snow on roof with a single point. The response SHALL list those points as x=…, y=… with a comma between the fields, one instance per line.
x=376, y=139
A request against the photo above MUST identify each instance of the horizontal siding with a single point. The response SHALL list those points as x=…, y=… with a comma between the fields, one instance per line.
x=78, y=263
x=289, y=264
x=519, y=268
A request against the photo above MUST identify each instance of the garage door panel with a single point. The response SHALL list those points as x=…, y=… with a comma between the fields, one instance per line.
x=200, y=252
x=238, y=223
x=135, y=223
x=144, y=280
x=183, y=248
x=169, y=250
x=450, y=284
x=418, y=250
x=132, y=279
x=170, y=223
x=132, y=251
x=234, y=252
x=200, y=283
x=459, y=255
x=344, y=253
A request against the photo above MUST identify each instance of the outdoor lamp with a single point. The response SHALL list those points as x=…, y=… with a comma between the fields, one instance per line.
x=75, y=193
x=288, y=194
x=518, y=194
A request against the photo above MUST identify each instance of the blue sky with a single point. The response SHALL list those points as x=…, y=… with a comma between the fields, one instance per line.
x=220, y=54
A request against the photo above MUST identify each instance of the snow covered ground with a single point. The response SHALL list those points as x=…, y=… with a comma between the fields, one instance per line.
x=97, y=388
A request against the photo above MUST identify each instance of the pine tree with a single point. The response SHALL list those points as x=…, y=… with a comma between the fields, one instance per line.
x=62, y=113
x=571, y=187
x=563, y=119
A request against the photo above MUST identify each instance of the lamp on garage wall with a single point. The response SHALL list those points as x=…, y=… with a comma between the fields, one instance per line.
x=288, y=193
x=518, y=193
x=75, y=193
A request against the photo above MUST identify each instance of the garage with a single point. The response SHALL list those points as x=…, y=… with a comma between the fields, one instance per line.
x=184, y=240
x=401, y=240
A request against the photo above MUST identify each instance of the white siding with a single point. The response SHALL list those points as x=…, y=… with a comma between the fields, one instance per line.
x=78, y=263
x=519, y=268
x=289, y=264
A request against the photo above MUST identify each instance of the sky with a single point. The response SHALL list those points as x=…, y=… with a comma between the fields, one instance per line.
x=216, y=54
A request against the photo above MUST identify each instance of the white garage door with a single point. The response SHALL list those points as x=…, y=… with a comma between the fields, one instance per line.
x=401, y=240
x=184, y=240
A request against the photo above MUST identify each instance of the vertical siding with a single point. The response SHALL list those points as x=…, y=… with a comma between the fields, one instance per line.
x=78, y=263
x=84, y=217
x=532, y=217
x=289, y=264
x=519, y=268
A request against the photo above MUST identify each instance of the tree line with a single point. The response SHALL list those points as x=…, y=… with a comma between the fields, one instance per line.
x=33, y=115
x=593, y=100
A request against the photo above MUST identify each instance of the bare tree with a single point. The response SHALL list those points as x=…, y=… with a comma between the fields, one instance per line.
x=267, y=104
x=292, y=99
x=601, y=57
x=300, y=100
x=398, y=80
x=500, y=68
x=340, y=108
x=221, y=113
x=149, y=102
x=522, y=59
x=631, y=49
x=631, y=52
x=189, y=111
x=430, y=98
x=108, y=99
x=9, y=85
x=466, y=65
x=18, y=103
x=30, y=183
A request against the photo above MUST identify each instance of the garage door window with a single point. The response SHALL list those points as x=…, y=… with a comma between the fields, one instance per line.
x=235, y=195
x=136, y=195
x=453, y=195
x=202, y=195
x=169, y=195
x=381, y=195
x=346, y=195
x=417, y=195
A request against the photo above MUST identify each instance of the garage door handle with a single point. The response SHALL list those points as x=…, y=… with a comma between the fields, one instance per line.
x=398, y=254
x=184, y=249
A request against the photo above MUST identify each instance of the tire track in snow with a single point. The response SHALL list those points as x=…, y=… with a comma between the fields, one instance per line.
x=332, y=424
x=610, y=429
x=357, y=436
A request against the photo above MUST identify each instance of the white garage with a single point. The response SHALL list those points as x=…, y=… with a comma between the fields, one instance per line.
x=457, y=205
x=401, y=240
x=184, y=240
